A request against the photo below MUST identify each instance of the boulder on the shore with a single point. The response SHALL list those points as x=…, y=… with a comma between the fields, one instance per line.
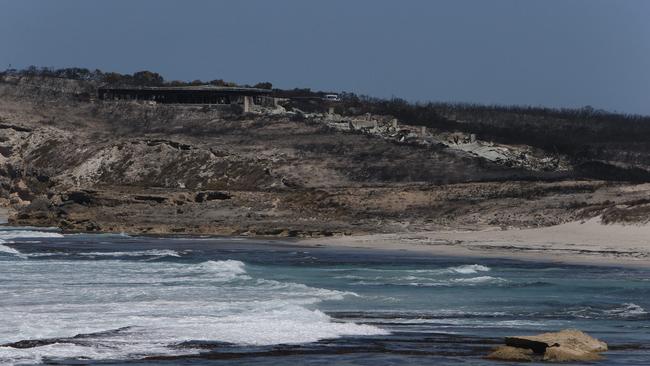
x=563, y=346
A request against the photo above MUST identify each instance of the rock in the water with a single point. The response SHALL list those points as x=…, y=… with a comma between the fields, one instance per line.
x=507, y=353
x=571, y=338
x=567, y=354
x=564, y=346
x=528, y=342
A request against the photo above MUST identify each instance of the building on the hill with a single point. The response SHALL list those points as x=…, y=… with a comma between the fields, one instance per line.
x=201, y=94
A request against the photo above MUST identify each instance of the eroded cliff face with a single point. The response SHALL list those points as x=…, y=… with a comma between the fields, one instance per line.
x=69, y=161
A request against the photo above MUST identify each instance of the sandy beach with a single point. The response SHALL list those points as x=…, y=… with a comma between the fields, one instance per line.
x=587, y=242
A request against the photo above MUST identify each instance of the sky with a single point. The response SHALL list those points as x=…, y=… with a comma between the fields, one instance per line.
x=556, y=53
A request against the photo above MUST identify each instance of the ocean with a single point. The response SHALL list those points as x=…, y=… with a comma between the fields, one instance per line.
x=101, y=299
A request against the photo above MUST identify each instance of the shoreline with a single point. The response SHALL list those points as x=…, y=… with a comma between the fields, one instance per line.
x=4, y=216
x=579, y=243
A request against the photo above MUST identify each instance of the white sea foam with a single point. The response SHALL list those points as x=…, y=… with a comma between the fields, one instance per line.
x=49, y=254
x=479, y=279
x=227, y=266
x=428, y=284
x=225, y=270
x=136, y=253
x=469, y=269
x=7, y=234
x=11, y=251
x=462, y=269
x=627, y=310
x=163, y=304
x=420, y=277
x=14, y=234
x=31, y=356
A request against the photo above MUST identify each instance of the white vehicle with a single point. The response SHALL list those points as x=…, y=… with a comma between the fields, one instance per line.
x=332, y=97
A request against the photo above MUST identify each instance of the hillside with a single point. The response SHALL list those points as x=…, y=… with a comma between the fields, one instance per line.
x=72, y=161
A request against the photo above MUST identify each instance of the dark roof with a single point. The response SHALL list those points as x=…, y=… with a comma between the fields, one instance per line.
x=228, y=89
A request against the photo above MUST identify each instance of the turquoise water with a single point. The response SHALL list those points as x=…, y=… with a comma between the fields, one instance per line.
x=113, y=300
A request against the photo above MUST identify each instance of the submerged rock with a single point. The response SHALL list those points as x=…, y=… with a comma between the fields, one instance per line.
x=564, y=346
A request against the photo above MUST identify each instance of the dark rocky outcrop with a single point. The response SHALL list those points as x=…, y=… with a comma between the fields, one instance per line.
x=149, y=198
x=79, y=197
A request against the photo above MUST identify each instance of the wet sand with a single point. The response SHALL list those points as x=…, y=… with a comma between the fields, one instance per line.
x=587, y=242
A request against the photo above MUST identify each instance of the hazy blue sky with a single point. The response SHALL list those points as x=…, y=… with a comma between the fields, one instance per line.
x=539, y=52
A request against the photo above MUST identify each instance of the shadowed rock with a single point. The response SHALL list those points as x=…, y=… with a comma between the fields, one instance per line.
x=211, y=196
x=507, y=353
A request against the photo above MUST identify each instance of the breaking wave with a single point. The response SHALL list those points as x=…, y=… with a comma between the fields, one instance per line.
x=462, y=269
x=225, y=270
x=157, y=305
x=7, y=234
x=627, y=310
x=478, y=280
x=420, y=277
x=15, y=234
x=469, y=269
x=227, y=266
x=137, y=253
x=11, y=251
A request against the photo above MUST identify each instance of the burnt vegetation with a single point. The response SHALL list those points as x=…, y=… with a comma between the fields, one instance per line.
x=600, y=144
x=583, y=134
x=139, y=79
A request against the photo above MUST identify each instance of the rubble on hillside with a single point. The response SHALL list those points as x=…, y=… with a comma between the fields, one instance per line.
x=387, y=127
